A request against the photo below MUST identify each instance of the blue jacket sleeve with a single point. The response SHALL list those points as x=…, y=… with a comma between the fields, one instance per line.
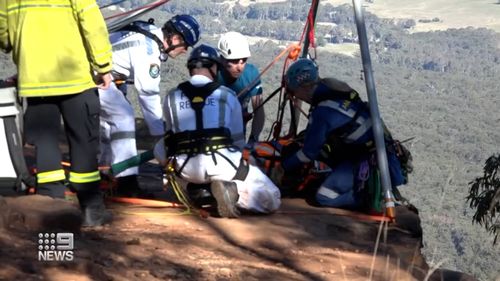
x=291, y=163
x=316, y=134
x=321, y=122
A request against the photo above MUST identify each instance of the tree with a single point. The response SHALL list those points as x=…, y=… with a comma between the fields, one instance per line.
x=484, y=196
x=321, y=41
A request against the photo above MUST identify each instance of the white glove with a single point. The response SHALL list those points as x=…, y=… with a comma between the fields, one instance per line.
x=160, y=152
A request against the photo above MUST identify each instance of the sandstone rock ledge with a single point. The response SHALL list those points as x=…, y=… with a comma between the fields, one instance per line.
x=299, y=242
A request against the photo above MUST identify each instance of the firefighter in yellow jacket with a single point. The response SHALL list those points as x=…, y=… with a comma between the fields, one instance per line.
x=61, y=49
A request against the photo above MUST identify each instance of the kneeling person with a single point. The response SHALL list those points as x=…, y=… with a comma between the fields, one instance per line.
x=339, y=133
x=205, y=139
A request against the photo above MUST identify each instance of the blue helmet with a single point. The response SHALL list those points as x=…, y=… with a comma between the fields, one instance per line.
x=187, y=26
x=302, y=71
x=203, y=56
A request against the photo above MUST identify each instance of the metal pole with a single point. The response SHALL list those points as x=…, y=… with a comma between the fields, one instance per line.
x=378, y=129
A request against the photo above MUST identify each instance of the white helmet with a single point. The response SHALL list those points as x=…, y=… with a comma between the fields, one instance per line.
x=233, y=45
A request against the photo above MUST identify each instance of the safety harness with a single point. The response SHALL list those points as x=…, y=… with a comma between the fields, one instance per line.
x=197, y=97
x=339, y=146
x=135, y=27
x=207, y=141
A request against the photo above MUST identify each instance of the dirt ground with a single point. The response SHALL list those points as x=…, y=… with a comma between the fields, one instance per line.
x=299, y=242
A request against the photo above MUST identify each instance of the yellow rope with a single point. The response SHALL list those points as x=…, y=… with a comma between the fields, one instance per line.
x=190, y=209
x=179, y=194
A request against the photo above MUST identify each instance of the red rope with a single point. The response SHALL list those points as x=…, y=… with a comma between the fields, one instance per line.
x=310, y=21
x=295, y=54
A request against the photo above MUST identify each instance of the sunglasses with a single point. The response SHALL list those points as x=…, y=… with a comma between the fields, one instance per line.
x=237, y=61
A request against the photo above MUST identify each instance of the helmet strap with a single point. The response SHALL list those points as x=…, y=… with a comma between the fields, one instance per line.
x=214, y=74
x=169, y=36
x=135, y=28
x=171, y=47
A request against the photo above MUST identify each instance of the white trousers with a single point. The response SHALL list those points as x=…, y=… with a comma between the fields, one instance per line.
x=257, y=193
x=117, y=129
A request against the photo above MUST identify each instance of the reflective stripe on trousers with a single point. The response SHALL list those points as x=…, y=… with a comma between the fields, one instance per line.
x=50, y=176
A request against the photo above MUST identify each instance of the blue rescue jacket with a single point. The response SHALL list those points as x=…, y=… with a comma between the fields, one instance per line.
x=339, y=122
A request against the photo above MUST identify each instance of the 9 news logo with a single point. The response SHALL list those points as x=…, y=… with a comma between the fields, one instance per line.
x=55, y=246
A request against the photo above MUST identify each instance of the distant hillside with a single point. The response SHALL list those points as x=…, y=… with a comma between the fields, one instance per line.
x=429, y=14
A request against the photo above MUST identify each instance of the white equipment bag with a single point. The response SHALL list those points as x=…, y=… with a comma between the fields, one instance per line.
x=14, y=175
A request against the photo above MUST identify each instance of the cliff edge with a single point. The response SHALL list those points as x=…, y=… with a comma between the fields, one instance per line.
x=299, y=242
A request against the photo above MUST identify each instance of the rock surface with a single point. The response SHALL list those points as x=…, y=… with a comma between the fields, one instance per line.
x=299, y=242
x=37, y=213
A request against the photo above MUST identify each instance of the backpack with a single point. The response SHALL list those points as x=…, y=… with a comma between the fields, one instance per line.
x=405, y=158
x=14, y=175
x=370, y=190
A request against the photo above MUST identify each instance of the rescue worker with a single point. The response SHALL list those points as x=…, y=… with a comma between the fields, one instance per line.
x=205, y=140
x=339, y=133
x=57, y=73
x=138, y=51
x=238, y=75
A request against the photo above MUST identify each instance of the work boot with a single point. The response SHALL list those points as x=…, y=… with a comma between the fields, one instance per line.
x=226, y=195
x=128, y=186
x=94, y=212
x=96, y=216
x=200, y=194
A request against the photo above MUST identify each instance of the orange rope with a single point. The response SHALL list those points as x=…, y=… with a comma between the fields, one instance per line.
x=293, y=55
x=292, y=47
x=155, y=204
x=144, y=202
x=309, y=22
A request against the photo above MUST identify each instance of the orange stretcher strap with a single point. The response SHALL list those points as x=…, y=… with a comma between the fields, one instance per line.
x=145, y=202
x=340, y=212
